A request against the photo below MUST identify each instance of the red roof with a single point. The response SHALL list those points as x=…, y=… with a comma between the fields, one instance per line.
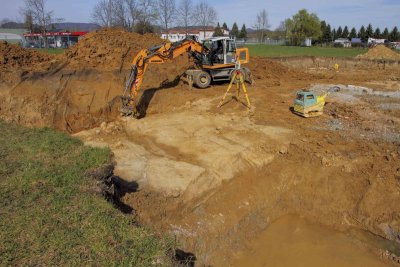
x=55, y=34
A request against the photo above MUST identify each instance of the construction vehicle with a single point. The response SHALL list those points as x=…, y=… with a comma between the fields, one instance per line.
x=311, y=104
x=214, y=60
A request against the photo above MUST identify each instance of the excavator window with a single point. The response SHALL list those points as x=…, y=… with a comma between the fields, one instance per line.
x=300, y=97
x=310, y=97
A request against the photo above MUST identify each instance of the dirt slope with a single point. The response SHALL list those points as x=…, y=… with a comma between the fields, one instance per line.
x=380, y=52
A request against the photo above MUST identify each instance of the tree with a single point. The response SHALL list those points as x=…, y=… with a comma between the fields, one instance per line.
x=339, y=32
x=132, y=13
x=218, y=31
x=369, y=32
x=334, y=34
x=353, y=33
x=326, y=36
x=394, y=35
x=118, y=13
x=185, y=14
x=303, y=25
x=102, y=13
x=147, y=13
x=235, y=30
x=377, y=33
x=39, y=13
x=29, y=21
x=243, y=32
x=345, y=33
x=224, y=26
x=166, y=13
x=385, y=34
x=262, y=24
x=206, y=15
x=362, y=34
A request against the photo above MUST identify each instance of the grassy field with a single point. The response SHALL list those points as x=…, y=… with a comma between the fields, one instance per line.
x=287, y=51
x=51, y=213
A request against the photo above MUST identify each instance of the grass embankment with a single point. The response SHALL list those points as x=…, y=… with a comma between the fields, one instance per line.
x=290, y=51
x=51, y=213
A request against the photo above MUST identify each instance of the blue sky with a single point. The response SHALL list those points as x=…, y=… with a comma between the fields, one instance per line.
x=380, y=13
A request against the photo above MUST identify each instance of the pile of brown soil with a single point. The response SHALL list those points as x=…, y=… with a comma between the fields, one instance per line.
x=380, y=52
x=109, y=49
x=16, y=57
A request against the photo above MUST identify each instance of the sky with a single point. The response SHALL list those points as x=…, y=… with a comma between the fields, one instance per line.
x=353, y=13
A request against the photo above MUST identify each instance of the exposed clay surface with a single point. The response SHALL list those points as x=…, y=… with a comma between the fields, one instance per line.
x=218, y=178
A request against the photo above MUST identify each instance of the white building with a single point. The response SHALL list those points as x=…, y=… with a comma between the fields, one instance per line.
x=177, y=34
x=376, y=41
x=343, y=42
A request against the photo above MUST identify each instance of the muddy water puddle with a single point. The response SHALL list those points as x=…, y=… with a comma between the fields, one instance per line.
x=292, y=241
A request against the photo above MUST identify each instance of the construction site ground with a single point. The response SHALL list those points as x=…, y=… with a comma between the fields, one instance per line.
x=236, y=186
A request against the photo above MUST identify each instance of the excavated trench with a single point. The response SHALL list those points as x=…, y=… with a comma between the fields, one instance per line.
x=223, y=181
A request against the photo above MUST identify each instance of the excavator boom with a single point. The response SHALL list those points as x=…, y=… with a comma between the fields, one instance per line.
x=157, y=54
x=168, y=51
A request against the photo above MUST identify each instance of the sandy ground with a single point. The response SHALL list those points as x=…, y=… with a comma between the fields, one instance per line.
x=219, y=178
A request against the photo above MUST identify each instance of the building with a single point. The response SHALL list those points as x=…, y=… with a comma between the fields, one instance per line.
x=178, y=33
x=344, y=42
x=376, y=41
x=54, y=39
x=13, y=36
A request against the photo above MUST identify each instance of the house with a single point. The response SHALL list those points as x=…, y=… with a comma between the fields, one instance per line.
x=344, y=42
x=54, y=39
x=180, y=33
x=356, y=41
x=376, y=41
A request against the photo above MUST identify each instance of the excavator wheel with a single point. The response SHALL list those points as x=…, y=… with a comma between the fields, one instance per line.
x=202, y=79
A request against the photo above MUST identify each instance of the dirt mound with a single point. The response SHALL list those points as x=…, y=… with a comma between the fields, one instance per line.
x=380, y=52
x=14, y=56
x=109, y=49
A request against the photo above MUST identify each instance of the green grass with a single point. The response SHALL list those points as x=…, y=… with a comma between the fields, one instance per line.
x=289, y=51
x=54, y=51
x=50, y=213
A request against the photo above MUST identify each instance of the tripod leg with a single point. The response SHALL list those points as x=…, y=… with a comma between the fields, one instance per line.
x=227, y=91
x=245, y=92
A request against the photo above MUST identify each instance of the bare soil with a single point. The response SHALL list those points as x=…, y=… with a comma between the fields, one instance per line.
x=217, y=178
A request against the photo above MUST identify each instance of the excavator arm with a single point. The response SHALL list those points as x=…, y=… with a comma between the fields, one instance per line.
x=157, y=54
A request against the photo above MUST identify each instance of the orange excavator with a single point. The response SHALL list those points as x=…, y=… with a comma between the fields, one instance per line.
x=214, y=59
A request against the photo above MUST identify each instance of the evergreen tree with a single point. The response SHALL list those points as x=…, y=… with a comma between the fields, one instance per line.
x=339, y=32
x=353, y=33
x=235, y=30
x=334, y=34
x=224, y=26
x=369, y=32
x=362, y=34
x=218, y=31
x=345, y=33
x=377, y=33
x=385, y=34
x=323, y=30
x=394, y=35
x=243, y=32
x=328, y=34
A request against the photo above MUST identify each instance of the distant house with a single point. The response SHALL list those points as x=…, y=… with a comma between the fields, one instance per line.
x=344, y=42
x=178, y=33
x=376, y=41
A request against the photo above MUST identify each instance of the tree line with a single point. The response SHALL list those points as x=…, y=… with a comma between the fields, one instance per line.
x=242, y=34
x=330, y=34
x=144, y=16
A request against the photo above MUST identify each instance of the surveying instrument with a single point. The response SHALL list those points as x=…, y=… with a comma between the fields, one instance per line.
x=238, y=79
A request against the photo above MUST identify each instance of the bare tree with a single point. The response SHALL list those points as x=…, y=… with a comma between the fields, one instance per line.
x=166, y=13
x=206, y=15
x=262, y=24
x=102, y=13
x=119, y=13
x=132, y=13
x=40, y=16
x=147, y=13
x=184, y=12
